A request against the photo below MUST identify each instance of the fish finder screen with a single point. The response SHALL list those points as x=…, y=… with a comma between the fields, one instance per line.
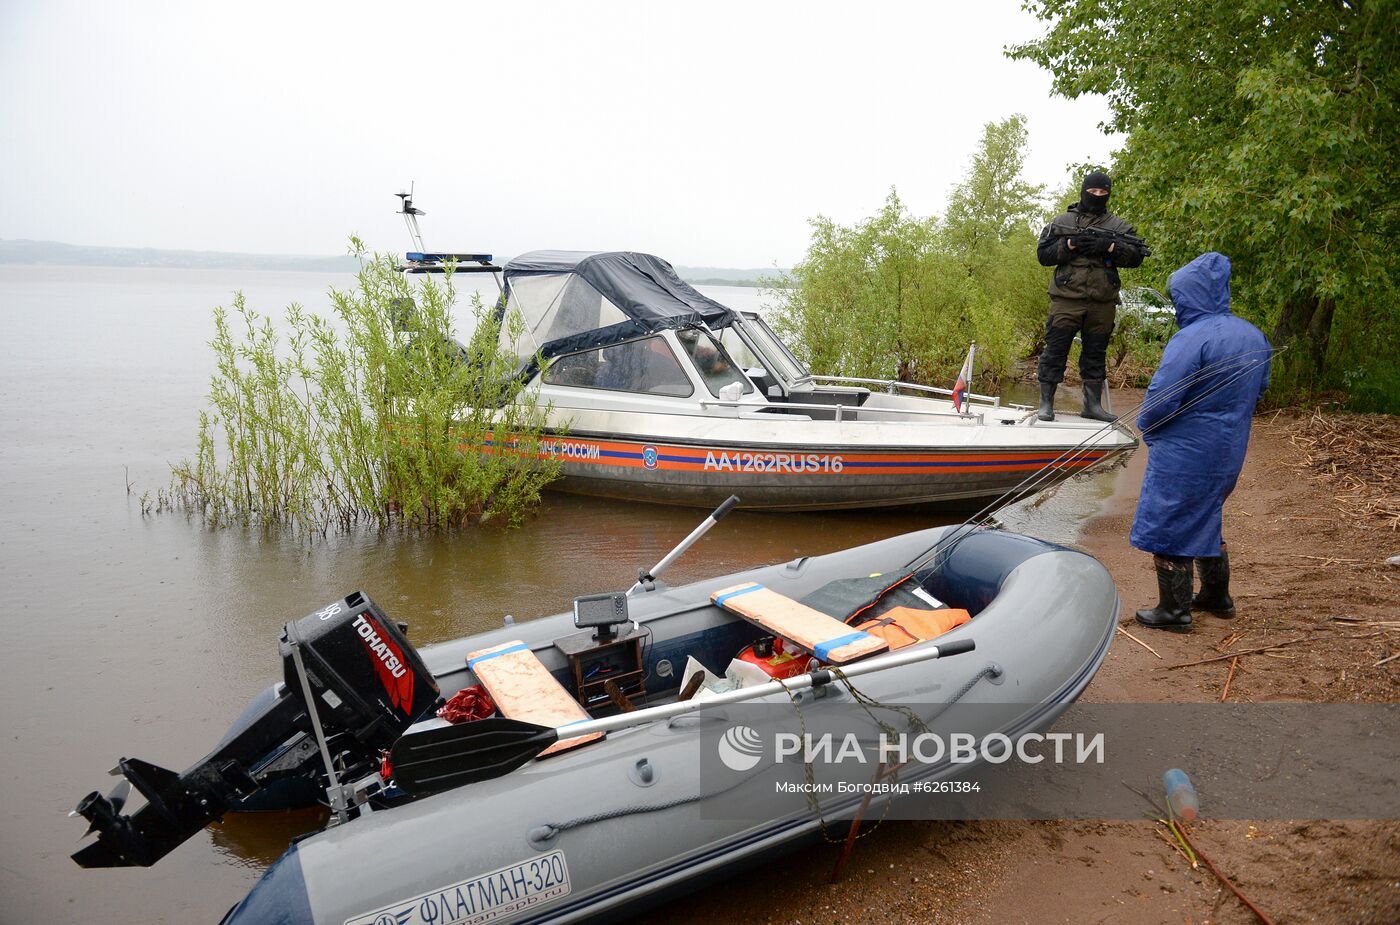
x=600, y=609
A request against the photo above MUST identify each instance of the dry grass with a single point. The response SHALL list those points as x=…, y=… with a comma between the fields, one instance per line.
x=1359, y=456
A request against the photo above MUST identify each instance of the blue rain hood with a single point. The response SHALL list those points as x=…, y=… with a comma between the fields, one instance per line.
x=1201, y=288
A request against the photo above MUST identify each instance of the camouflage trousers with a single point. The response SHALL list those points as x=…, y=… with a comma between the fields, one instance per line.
x=1093, y=322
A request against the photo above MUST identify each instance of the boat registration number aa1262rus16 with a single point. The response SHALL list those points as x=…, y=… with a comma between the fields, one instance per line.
x=654, y=456
x=730, y=460
x=773, y=462
x=489, y=897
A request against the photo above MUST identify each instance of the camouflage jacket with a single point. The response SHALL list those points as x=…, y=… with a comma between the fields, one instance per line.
x=1082, y=278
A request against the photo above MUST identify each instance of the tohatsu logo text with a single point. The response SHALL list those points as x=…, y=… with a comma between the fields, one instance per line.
x=388, y=664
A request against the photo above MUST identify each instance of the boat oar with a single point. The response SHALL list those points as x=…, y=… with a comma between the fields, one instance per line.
x=645, y=580
x=449, y=756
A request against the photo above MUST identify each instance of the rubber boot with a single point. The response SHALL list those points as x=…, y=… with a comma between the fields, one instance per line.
x=1173, y=610
x=1093, y=394
x=1047, y=401
x=1214, y=596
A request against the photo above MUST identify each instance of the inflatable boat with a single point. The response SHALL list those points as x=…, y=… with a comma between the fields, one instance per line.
x=658, y=393
x=581, y=789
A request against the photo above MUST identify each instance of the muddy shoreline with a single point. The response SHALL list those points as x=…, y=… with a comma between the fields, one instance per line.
x=1304, y=566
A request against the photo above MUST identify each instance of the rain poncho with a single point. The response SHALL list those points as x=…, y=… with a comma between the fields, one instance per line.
x=1197, y=412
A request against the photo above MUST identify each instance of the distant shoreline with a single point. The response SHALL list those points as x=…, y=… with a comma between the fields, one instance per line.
x=742, y=283
x=18, y=252
x=21, y=252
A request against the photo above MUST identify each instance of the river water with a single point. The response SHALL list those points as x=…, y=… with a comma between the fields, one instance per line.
x=144, y=636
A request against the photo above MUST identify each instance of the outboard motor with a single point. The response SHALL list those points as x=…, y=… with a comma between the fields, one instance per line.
x=352, y=685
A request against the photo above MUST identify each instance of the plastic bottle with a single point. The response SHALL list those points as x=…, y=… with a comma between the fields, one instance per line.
x=1181, y=796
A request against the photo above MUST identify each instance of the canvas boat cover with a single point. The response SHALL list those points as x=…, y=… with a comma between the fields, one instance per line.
x=575, y=300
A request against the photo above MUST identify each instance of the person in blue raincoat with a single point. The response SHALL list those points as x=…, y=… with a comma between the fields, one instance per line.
x=1195, y=421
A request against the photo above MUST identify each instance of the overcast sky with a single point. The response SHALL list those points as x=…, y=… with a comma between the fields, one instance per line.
x=706, y=132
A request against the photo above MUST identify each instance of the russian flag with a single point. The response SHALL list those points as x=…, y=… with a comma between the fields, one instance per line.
x=960, y=387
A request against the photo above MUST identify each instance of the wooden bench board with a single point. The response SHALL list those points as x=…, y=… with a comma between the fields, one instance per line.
x=524, y=689
x=825, y=637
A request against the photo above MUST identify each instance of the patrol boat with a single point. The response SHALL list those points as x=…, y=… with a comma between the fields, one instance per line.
x=594, y=793
x=659, y=393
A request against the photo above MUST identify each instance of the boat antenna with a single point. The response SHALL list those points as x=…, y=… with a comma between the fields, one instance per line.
x=410, y=217
x=420, y=260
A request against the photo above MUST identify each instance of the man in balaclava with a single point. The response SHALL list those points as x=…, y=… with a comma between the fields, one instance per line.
x=1083, y=291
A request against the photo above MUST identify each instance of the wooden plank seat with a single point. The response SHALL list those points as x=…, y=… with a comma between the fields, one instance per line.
x=523, y=689
x=825, y=637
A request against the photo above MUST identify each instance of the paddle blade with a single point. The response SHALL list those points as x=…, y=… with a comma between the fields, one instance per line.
x=439, y=759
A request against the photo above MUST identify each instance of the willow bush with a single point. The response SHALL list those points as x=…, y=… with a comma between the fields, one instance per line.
x=898, y=296
x=883, y=299
x=381, y=416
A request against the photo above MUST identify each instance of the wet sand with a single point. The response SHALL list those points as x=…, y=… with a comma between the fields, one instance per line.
x=1298, y=561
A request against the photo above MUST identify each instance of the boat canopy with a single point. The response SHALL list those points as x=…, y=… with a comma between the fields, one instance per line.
x=575, y=300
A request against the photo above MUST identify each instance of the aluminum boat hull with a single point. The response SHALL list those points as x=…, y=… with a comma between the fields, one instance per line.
x=803, y=478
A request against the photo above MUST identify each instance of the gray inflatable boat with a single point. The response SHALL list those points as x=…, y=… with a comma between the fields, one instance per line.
x=470, y=826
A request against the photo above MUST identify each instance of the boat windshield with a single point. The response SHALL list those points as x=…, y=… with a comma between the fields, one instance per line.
x=714, y=364
x=772, y=353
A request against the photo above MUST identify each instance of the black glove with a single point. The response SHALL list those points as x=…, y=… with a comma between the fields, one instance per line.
x=1092, y=245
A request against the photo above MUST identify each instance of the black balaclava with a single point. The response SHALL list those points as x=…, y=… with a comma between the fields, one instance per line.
x=1095, y=204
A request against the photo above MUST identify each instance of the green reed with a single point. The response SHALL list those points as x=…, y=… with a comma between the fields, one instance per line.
x=381, y=418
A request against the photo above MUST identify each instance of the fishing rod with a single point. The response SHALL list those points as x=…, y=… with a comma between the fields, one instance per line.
x=1084, y=447
x=439, y=759
x=1151, y=402
x=1031, y=483
x=1162, y=398
x=1027, y=485
x=1211, y=391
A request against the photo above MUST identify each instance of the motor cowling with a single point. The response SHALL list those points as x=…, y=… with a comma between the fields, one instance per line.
x=368, y=681
x=368, y=684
